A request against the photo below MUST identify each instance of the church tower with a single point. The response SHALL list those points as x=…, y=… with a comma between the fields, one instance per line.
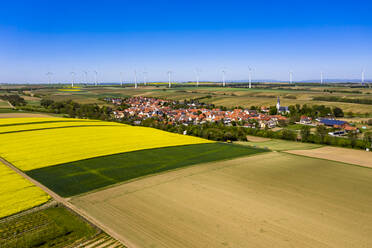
x=278, y=104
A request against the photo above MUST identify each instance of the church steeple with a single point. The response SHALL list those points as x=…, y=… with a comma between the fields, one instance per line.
x=278, y=104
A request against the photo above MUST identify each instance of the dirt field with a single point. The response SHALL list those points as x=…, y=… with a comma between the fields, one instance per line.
x=345, y=155
x=256, y=138
x=279, y=145
x=269, y=200
x=23, y=115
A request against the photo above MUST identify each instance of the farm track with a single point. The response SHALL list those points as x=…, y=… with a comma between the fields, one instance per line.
x=67, y=204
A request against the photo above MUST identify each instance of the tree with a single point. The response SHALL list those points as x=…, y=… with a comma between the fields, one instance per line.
x=273, y=110
x=337, y=112
x=305, y=133
x=321, y=131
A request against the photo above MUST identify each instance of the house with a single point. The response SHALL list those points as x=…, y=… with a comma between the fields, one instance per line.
x=305, y=120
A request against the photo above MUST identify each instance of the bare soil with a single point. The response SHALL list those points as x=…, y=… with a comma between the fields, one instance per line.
x=269, y=200
x=345, y=155
x=23, y=115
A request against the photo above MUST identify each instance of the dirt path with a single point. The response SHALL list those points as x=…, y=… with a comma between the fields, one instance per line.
x=66, y=203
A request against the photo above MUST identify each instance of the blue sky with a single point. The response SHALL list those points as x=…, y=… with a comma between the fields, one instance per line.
x=272, y=37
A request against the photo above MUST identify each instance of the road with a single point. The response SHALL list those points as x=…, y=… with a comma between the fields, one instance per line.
x=67, y=204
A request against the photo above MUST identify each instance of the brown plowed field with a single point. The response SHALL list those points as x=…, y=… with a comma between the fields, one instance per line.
x=268, y=200
x=344, y=155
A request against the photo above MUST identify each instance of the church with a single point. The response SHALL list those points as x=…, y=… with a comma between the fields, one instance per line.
x=281, y=109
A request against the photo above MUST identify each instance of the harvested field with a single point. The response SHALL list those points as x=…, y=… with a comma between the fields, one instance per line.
x=24, y=115
x=280, y=145
x=256, y=138
x=357, y=157
x=267, y=200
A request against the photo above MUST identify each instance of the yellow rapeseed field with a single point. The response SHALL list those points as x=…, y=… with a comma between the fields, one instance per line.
x=17, y=194
x=40, y=148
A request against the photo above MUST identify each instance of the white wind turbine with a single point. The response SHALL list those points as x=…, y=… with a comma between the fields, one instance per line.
x=197, y=74
x=135, y=79
x=85, y=76
x=121, y=79
x=49, y=74
x=321, y=77
x=363, y=76
x=95, y=78
x=290, y=77
x=73, y=79
x=250, y=77
x=169, y=79
x=144, y=78
x=223, y=77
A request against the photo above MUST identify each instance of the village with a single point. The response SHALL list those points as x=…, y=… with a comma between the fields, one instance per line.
x=141, y=108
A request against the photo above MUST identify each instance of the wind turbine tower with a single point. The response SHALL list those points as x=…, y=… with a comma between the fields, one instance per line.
x=250, y=77
x=197, y=77
x=135, y=79
x=95, y=78
x=49, y=74
x=121, y=79
x=321, y=77
x=223, y=78
x=362, y=76
x=169, y=79
x=290, y=77
x=145, y=78
x=86, y=76
x=73, y=79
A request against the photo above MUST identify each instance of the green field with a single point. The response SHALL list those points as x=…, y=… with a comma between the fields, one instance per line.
x=52, y=227
x=281, y=145
x=86, y=175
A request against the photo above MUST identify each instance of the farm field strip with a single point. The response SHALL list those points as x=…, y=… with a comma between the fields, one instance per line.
x=267, y=200
x=52, y=227
x=91, y=174
x=41, y=148
x=20, y=127
x=17, y=194
x=344, y=155
x=280, y=145
x=36, y=120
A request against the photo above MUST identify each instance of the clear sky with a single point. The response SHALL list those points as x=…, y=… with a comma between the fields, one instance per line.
x=109, y=36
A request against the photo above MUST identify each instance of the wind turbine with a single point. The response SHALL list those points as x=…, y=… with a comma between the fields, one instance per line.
x=135, y=79
x=86, y=76
x=250, y=77
x=362, y=76
x=121, y=79
x=169, y=79
x=145, y=78
x=197, y=71
x=223, y=77
x=73, y=79
x=321, y=77
x=95, y=78
x=49, y=74
x=290, y=77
